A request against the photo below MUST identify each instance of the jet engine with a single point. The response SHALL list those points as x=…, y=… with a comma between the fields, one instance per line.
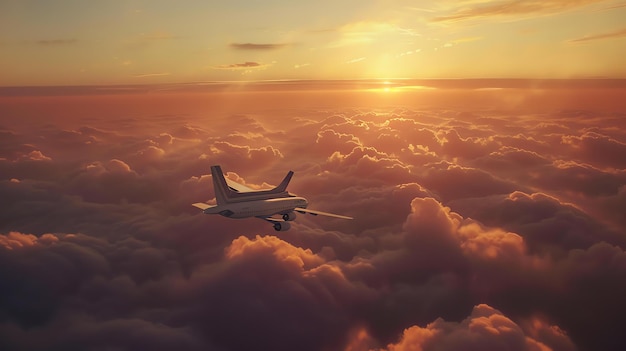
x=289, y=216
x=281, y=226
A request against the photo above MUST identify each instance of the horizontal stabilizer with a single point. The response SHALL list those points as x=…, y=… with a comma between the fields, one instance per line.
x=201, y=205
x=240, y=188
x=315, y=213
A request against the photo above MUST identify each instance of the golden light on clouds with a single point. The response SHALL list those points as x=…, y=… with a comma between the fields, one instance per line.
x=467, y=195
x=478, y=144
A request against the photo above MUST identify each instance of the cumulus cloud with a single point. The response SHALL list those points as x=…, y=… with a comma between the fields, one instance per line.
x=328, y=139
x=298, y=257
x=117, y=166
x=151, y=152
x=16, y=240
x=262, y=155
x=598, y=149
x=546, y=223
x=485, y=328
x=37, y=155
x=475, y=228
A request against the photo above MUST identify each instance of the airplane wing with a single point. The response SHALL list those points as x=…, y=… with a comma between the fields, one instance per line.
x=201, y=205
x=315, y=213
x=238, y=187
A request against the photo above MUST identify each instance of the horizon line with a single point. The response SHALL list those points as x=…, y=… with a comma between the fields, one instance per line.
x=309, y=84
x=316, y=80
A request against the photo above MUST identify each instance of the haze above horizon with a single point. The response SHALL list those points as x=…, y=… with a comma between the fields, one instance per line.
x=129, y=42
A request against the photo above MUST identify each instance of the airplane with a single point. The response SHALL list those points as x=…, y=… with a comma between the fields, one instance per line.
x=235, y=200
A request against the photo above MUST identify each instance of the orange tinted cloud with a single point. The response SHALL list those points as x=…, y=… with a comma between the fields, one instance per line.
x=301, y=258
x=146, y=75
x=485, y=328
x=609, y=35
x=244, y=65
x=37, y=155
x=16, y=240
x=253, y=46
x=330, y=141
x=461, y=201
x=514, y=8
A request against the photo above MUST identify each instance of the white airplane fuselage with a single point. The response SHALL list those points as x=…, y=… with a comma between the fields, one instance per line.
x=235, y=200
x=258, y=208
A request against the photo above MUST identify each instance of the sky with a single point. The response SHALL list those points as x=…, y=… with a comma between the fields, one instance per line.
x=484, y=170
x=71, y=42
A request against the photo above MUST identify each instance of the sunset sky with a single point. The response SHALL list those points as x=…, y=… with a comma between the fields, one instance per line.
x=70, y=42
x=488, y=205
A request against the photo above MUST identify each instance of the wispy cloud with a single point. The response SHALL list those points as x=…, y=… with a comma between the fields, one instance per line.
x=356, y=60
x=610, y=35
x=465, y=40
x=410, y=52
x=253, y=46
x=618, y=6
x=514, y=8
x=145, y=75
x=419, y=9
x=365, y=32
x=242, y=66
x=460, y=41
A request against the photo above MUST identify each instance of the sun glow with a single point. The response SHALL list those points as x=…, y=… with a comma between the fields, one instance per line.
x=386, y=87
x=383, y=87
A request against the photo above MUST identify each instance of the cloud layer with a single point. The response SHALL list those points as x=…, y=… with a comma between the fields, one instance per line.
x=498, y=228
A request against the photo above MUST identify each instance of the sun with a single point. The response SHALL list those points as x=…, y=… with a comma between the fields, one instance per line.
x=386, y=86
x=383, y=86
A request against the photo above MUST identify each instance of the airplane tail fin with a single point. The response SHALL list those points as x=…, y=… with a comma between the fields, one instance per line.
x=282, y=187
x=219, y=185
